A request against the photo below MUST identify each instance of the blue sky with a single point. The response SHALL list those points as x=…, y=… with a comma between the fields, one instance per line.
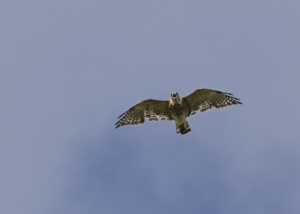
x=69, y=68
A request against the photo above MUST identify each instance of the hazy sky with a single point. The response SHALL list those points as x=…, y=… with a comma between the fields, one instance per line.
x=69, y=68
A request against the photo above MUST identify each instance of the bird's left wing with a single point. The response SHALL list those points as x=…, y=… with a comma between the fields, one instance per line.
x=204, y=99
x=152, y=109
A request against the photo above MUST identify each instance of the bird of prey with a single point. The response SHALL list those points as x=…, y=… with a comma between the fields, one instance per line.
x=177, y=108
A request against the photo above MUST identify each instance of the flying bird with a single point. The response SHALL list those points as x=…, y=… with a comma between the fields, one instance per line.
x=177, y=108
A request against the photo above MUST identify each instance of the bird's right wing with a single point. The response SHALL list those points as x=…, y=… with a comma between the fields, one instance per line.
x=152, y=109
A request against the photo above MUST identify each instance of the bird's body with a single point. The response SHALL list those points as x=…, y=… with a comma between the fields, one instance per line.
x=179, y=113
x=177, y=108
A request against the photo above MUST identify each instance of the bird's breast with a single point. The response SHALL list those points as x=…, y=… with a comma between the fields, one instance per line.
x=178, y=110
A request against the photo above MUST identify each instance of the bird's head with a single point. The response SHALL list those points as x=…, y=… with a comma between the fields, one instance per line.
x=175, y=98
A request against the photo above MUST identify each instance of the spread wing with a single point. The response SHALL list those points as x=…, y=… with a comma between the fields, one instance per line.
x=203, y=99
x=152, y=109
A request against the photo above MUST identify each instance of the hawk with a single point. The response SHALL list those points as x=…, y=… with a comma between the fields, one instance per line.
x=177, y=108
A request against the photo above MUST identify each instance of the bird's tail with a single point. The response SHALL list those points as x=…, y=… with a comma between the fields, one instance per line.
x=183, y=128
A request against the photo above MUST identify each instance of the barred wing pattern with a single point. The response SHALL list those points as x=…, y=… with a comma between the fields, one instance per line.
x=152, y=109
x=204, y=99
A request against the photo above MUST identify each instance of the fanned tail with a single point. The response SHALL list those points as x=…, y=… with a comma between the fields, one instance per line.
x=183, y=128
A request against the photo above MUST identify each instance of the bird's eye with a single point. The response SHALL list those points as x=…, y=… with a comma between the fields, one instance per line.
x=174, y=95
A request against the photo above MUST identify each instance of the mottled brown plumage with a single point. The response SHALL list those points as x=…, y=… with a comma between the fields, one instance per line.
x=177, y=108
x=152, y=109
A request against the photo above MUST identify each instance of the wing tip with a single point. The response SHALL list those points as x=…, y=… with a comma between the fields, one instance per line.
x=122, y=115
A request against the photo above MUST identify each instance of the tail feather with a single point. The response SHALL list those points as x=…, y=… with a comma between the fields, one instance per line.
x=183, y=128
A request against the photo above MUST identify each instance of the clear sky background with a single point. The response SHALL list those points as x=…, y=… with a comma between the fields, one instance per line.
x=69, y=68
